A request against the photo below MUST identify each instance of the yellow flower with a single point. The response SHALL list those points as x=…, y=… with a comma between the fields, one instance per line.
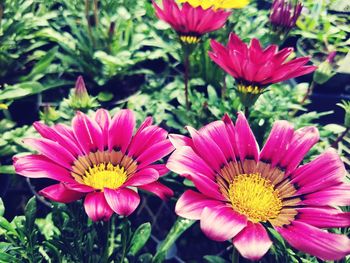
x=3, y=106
x=217, y=4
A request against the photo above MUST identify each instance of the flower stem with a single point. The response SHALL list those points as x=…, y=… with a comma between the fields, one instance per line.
x=340, y=138
x=186, y=74
x=124, y=238
x=306, y=96
x=246, y=111
x=235, y=255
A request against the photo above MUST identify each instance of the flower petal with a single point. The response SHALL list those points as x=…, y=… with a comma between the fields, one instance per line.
x=338, y=195
x=123, y=201
x=185, y=161
x=207, y=149
x=252, y=242
x=325, y=171
x=120, y=130
x=323, y=217
x=96, y=207
x=247, y=146
x=88, y=133
x=52, y=150
x=221, y=223
x=314, y=241
x=141, y=177
x=39, y=166
x=60, y=193
x=191, y=204
x=302, y=141
x=160, y=190
x=277, y=142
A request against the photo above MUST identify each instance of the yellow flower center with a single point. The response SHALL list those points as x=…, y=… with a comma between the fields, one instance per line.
x=250, y=89
x=190, y=39
x=217, y=4
x=105, y=175
x=254, y=197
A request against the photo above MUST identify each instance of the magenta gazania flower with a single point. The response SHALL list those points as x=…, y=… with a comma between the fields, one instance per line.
x=100, y=159
x=242, y=189
x=255, y=68
x=190, y=22
x=285, y=13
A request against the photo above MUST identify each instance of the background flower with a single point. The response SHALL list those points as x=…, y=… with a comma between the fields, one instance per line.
x=242, y=189
x=99, y=158
x=255, y=68
x=217, y=4
x=191, y=22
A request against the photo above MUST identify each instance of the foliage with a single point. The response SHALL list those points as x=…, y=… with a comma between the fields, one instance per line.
x=45, y=45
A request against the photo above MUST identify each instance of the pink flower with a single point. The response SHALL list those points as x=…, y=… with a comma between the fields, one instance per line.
x=100, y=159
x=255, y=68
x=242, y=189
x=191, y=22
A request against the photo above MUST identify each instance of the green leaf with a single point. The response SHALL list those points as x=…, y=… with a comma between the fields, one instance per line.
x=105, y=96
x=139, y=238
x=7, y=169
x=212, y=95
x=41, y=66
x=180, y=226
x=30, y=213
x=4, y=224
x=2, y=207
x=214, y=259
x=4, y=257
x=335, y=128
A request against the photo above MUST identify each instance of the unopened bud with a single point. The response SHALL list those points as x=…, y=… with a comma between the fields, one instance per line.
x=325, y=70
x=79, y=98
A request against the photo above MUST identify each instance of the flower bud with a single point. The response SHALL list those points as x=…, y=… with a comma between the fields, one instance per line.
x=284, y=14
x=325, y=70
x=49, y=114
x=79, y=99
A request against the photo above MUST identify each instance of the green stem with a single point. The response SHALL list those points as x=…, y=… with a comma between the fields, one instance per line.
x=246, y=111
x=186, y=75
x=124, y=238
x=235, y=255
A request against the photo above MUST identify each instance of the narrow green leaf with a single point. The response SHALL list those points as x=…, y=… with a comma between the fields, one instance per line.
x=2, y=207
x=214, y=259
x=139, y=238
x=180, y=226
x=30, y=213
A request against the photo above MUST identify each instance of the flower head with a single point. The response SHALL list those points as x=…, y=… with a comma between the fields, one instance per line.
x=190, y=22
x=285, y=13
x=242, y=189
x=100, y=159
x=255, y=68
x=217, y=4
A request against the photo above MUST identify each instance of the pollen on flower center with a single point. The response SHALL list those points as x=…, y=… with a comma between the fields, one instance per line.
x=105, y=175
x=254, y=197
x=249, y=89
x=190, y=39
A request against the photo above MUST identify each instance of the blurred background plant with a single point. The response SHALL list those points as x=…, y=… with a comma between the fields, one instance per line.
x=128, y=58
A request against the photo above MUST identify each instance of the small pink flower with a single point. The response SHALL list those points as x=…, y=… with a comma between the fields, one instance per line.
x=191, y=22
x=241, y=189
x=100, y=159
x=255, y=68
